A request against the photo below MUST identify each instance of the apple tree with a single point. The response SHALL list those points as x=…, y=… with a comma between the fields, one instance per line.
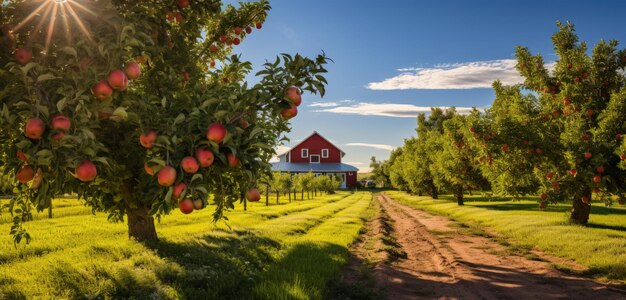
x=453, y=167
x=573, y=119
x=139, y=107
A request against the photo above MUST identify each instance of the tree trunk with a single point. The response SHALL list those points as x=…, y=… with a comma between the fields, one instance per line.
x=302, y=195
x=295, y=195
x=289, y=192
x=245, y=202
x=433, y=192
x=459, y=196
x=277, y=195
x=580, y=210
x=50, y=210
x=141, y=225
x=267, y=195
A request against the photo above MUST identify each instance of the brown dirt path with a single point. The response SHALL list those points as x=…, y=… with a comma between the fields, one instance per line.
x=429, y=259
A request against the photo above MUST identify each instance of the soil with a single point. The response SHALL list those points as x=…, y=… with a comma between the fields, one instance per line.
x=405, y=253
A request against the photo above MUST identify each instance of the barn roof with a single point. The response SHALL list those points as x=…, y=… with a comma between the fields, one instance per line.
x=315, y=167
x=304, y=140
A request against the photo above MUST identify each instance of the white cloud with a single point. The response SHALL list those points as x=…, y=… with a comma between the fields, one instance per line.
x=356, y=163
x=329, y=104
x=375, y=146
x=279, y=150
x=468, y=75
x=386, y=109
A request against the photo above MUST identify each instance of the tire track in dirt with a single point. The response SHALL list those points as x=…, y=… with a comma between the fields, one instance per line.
x=443, y=262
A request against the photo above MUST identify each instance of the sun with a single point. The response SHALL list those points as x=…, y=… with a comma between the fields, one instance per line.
x=57, y=14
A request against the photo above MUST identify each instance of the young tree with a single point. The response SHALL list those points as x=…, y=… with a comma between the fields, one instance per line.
x=186, y=126
x=378, y=172
x=453, y=167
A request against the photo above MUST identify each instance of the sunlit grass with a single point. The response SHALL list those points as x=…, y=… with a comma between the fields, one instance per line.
x=601, y=247
x=282, y=251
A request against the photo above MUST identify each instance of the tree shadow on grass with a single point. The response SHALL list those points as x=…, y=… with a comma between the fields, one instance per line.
x=605, y=226
x=205, y=267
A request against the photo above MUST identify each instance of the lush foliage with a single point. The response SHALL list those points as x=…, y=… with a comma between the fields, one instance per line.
x=277, y=252
x=70, y=121
x=558, y=134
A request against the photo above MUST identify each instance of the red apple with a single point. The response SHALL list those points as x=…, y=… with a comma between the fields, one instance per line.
x=596, y=190
x=189, y=165
x=186, y=76
x=236, y=41
x=147, y=139
x=117, y=80
x=259, y=25
x=216, y=133
x=294, y=94
x=148, y=169
x=205, y=157
x=588, y=155
x=585, y=199
x=538, y=151
x=23, y=56
x=622, y=156
x=572, y=172
x=34, y=128
x=253, y=195
x=102, y=90
x=600, y=169
x=233, y=161
x=621, y=201
x=505, y=147
x=183, y=4
x=21, y=156
x=132, y=70
x=58, y=136
x=566, y=101
x=167, y=176
x=549, y=175
x=212, y=64
x=237, y=30
x=543, y=196
x=86, y=171
x=556, y=185
x=198, y=204
x=25, y=174
x=178, y=190
x=223, y=38
x=589, y=112
x=248, y=30
x=244, y=124
x=290, y=112
x=471, y=129
x=597, y=179
x=185, y=206
x=178, y=17
x=618, y=137
x=61, y=123
x=213, y=48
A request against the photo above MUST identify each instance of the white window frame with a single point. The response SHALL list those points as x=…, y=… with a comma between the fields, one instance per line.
x=302, y=152
x=325, y=153
x=311, y=159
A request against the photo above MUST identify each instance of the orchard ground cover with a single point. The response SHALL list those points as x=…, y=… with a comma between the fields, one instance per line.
x=288, y=251
x=600, y=247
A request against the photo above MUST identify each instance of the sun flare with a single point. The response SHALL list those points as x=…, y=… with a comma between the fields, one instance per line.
x=63, y=14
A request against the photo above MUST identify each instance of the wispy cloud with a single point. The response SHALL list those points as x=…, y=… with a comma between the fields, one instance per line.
x=329, y=104
x=468, y=75
x=356, y=163
x=386, y=109
x=375, y=146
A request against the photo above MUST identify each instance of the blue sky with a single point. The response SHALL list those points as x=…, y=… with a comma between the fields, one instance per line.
x=396, y=58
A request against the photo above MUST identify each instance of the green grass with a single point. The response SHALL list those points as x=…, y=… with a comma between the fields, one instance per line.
x=288, y=251
x=600, y=247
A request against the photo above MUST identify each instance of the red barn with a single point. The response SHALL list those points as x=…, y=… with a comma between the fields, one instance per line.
x=318, y=155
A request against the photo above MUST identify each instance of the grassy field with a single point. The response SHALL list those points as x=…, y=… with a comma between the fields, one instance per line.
x=287, y=251
x=600, y=247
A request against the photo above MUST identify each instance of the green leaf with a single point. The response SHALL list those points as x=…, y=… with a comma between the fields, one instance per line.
x=45, y=77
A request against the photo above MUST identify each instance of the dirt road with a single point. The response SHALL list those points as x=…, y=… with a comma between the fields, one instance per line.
x=417, y=255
